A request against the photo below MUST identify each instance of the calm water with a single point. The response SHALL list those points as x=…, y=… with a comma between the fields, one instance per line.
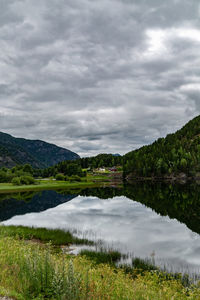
x=147, y=220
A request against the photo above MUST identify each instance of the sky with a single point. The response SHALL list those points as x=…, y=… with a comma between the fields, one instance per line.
x=96, y=76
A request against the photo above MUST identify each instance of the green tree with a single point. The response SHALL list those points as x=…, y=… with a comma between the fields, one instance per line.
x=60, y=177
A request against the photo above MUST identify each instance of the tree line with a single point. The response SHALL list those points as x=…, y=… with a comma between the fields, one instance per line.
x=66, y=170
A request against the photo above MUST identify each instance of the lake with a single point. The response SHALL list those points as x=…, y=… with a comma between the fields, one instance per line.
x=147, y=220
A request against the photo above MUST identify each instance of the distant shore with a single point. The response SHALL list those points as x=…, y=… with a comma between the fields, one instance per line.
x=180, y=178
x=90, y=181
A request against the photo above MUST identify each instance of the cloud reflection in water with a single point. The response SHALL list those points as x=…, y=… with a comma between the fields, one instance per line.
x=127, y=224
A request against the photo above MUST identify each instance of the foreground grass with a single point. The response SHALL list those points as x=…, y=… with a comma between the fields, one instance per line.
x=32, y=271
x=55, y=236
x=138, y=266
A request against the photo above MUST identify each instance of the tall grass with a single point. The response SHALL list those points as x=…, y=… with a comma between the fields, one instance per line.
x=142, y=266
x=30, y=271
x=102, y=256
x=38, y=274
x=42, y=275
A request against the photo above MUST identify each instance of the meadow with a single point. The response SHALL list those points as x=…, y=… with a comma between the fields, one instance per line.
x=48, y=183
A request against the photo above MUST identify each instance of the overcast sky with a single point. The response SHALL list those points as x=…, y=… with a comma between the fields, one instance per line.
x=98, y=76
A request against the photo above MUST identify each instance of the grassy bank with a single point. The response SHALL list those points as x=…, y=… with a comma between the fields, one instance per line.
x=35, y=271
x=89, y=181
x=29, y=271
x=55, y=236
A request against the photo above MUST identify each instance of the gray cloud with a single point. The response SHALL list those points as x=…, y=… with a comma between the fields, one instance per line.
x=98, y=76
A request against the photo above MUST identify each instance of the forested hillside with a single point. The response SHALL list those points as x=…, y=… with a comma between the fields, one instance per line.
x=175, y=154
x=101, y=160
x=76, y=167
x=37, y=153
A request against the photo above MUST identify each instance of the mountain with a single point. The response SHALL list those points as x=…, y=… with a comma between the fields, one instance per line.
x=176, y=154
x=35, y=152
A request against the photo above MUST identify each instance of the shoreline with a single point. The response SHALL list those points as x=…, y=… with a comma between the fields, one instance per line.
x=54, y=185
x=175, y=179
x=40, y=187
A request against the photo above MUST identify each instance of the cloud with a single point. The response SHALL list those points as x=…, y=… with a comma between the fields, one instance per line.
x=98, y=76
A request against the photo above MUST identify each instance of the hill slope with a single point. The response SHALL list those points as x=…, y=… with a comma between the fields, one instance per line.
x=178, y=152
x=35, y=152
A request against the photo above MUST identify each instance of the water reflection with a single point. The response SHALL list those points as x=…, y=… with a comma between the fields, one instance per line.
x=134, y=219
x=26, y=202
x=181, y=202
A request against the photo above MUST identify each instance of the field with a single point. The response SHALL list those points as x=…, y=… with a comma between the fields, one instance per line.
x=89, y=181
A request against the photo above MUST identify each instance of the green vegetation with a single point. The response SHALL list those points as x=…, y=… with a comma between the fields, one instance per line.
x=60, y=177
x=23, y=180
x=18, y=175
x=140, y=266
x=101, y=160
x=36, y=271
x=143, y=264
x=55, y=236
x=71, y=183
x=103, y=256
x=16, y=181
x=66, y=174
x=74, y=178
x=170, y=156
x=21, y=174
x=64, y=168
